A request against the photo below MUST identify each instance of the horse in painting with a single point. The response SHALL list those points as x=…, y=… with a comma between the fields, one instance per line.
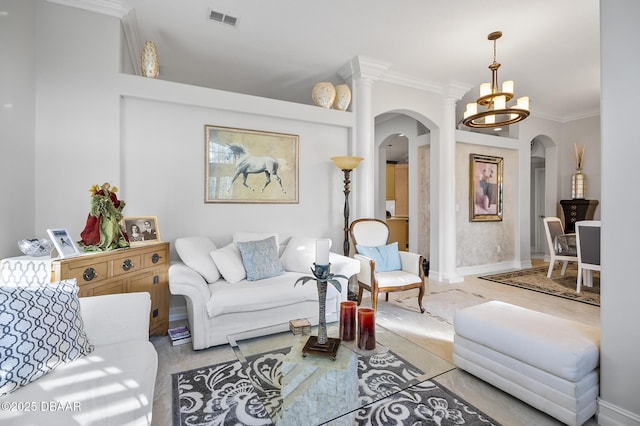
x=252, y=165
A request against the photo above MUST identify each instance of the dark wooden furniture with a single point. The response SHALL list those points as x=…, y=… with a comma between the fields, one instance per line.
x=575, y=210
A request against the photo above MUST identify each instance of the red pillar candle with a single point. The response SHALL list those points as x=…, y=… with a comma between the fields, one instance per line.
x=366, y=328
x=348, y=321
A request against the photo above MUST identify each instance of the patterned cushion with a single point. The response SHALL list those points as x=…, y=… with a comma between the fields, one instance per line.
x=41, y=329
x=260, y=259
x=387, y=258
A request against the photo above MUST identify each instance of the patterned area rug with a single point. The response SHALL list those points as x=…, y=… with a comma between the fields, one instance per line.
x=233, y=393
x=562, y=286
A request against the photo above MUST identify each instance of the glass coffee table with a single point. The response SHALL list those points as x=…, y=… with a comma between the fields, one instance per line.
x=315, y=389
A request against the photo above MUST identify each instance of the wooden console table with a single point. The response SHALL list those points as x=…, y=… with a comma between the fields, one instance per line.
x=142, y=268
x=575, y=210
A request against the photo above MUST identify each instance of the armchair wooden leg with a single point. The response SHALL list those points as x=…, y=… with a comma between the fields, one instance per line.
x=420, y=296
x=386, y=298
x=374, y=300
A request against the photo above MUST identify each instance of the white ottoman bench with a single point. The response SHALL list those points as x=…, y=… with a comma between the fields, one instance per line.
x=548, y=362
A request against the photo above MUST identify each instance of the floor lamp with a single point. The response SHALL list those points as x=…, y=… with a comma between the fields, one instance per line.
x=346, y=164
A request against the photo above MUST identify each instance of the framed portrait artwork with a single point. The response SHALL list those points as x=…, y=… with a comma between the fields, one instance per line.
x=141, y=230
x=63, y=243
x=250, y=166
x=485, y=188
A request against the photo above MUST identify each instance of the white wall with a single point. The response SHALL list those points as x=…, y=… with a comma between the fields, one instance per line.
x=619, y=313
x=77, y=111
x=17, y=124
x=96, y=125
x=171, y=186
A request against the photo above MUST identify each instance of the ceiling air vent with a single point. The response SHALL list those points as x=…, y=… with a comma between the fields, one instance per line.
x=223, y=18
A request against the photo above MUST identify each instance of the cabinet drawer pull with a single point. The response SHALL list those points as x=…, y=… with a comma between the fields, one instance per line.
x=127, y=264
x=89, y=274
x=155, y=258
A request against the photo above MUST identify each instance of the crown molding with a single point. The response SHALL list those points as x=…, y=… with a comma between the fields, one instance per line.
x=105, y=7
x=365, y=68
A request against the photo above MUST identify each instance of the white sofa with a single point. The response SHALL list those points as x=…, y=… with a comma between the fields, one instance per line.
x=112, y=385
x=221, y=312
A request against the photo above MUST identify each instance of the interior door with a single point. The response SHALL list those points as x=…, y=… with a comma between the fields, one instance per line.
x=540, y=239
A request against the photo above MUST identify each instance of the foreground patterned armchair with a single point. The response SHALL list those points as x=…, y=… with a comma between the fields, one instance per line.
x=378, y=271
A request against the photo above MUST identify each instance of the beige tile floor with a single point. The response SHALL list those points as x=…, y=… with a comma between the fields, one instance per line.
x=435, y=334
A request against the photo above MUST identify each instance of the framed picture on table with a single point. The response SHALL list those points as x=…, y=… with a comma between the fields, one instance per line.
x=63, y=243
x=485, y=188
x=141, y=230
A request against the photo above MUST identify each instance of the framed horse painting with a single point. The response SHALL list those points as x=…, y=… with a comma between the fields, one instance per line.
x=250, y=166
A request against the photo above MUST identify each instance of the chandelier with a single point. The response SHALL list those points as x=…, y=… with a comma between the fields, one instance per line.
x=494, y=100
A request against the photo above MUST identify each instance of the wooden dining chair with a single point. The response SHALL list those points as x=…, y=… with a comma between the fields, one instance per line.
x=552, y=228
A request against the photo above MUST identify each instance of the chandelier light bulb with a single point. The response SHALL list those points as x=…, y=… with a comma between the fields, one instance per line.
x=485, y=89
x=507, y=87
x=523, y=103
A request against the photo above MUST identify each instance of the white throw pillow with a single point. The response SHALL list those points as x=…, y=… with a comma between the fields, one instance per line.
x=229, y=262
x=41, y=330
x=194, y=252
x=254, y=236
x=299, y=254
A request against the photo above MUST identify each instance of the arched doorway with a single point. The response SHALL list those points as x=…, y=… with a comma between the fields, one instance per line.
x=538, y=170
x=403, y=142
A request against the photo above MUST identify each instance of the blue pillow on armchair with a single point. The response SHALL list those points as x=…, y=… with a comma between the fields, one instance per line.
x=387, y=258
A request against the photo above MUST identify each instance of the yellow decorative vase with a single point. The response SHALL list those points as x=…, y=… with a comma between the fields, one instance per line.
x=149, y=64
x=343, y=97
x=323, y=94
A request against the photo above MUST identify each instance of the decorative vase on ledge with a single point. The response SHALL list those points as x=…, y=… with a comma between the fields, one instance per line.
x=578, y=185
x=149, y=63
x=323, y=94
x=343, y=97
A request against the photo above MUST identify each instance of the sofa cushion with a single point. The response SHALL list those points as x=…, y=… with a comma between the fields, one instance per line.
x=299, y=254
x=229, y=263
x=241, y=237
x=266, y=294
x=194, y=252
x=387, y=258
x=41, y=330
x=260, y=258
x=113, y=385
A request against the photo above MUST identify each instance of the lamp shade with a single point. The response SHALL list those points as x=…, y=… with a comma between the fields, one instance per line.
x=346, y=162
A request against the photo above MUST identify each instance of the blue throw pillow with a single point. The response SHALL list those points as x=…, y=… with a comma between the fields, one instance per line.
x=260, y=259
x=387, y=257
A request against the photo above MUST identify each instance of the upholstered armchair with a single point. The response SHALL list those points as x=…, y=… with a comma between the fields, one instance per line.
x=382, y=267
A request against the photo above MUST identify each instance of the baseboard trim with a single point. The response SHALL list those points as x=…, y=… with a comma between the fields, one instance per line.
x=494, y=268
x=611, y=415
x=177, y=313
